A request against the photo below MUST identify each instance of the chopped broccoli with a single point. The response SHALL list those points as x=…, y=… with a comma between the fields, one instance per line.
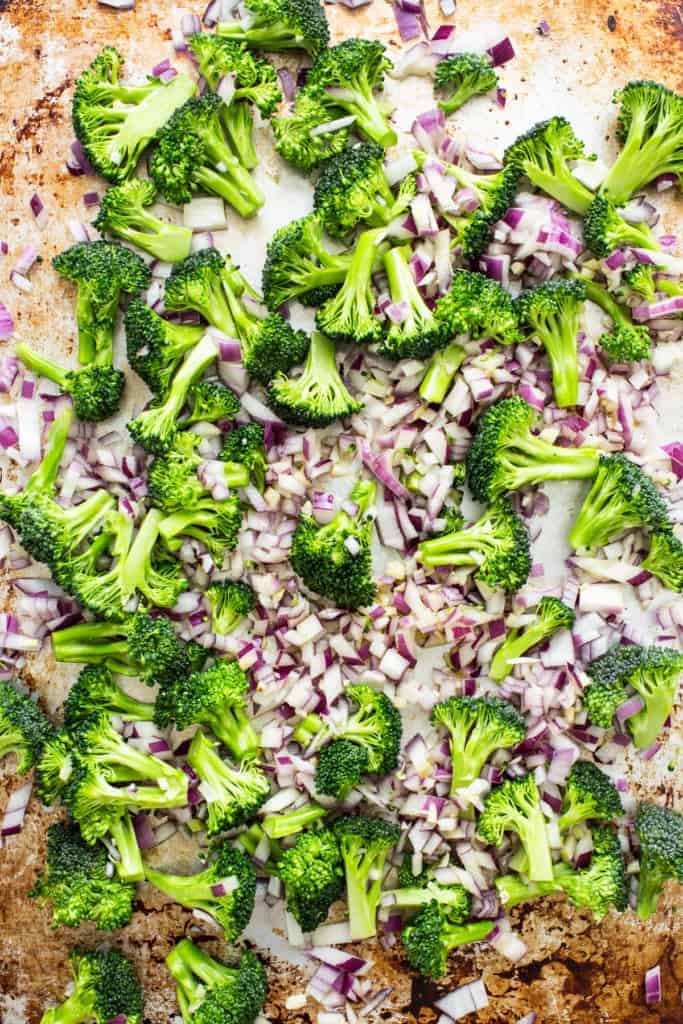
x=43, y=480
x=495, y=194
x=463, y=75
x=418, y=892
x=543, y=155
x=215, y=524
x=103, y=272
x=335, y=560
x=279, y=826
x=245, y=445
x=298, y=266
x=660, y=832
x=225, y=889
x=364, y=844
x=551, y=615
x=496, y=546
x=420, y=333
x=96, y=390
x=665, y=559
x=589, y=794
x=211, y=402
x=515, y=806
x=641, y=279
x=209, y=992
x=192, y=155
x=97, y=690
x=622, y=497
x=273, y=347
x=281, y=25
x=431, y=936
x=478, y=306
x=215, y=698
x=123, y=212
x=350, y=314
x=76, y=883
x=310, y=134
x=233, y=795
x=313, y=877
x=477, y=727
x=205, y=282
x=24, y=729
x=318, y=396
x=156, y=347
x=605, y=230
x=115, y=122
x=54, y=766
x=341, y=766
x=650, y=128
x=505, y=455
x=552, y=312
x=626, y=342
x=230, y=602
x=440, y=374
x=105, y=988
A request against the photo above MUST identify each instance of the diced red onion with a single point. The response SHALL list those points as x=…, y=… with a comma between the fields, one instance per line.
x=501, y=52
x=653, y=985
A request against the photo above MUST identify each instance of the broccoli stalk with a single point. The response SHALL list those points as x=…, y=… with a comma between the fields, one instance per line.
x=604, y=230
x=478, y=306
x=440, y=374
x=626, y=342
x=279, y=826
x=419, y=333
x=477, y=727
x=364, y=844
x=589, y=794
x=208, y=990
x=313, y=877
x=552, y=311
x=104, y=988
x=551, y=615
x=665, y=559
x=543, y=155
x=233, y=795
x=96, y=389
x=280, y=25
x=24, y=729
x=298, y=266
x=96, y=690
x=431, y=936
x=660, y=832
x=516, y=806
x=350, y=314
x=123, y=212
x=422, y=890
x=463, y=75
x=317, y=397
x=230, y=602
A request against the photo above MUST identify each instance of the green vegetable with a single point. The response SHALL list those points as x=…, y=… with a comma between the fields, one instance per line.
x=318, y=396
x=589, y=794
x=123, y=212
x=233, y=795
x=105, y=987
x=660, y=833
x=313, y=877
x=605, y=230
x=543, y=155
x=364, y=844
x=24, y=729
x=552, y=312
x=431, y=936
x=230, y=601
x=463, y=76
x=281, y=25
x=551, y=615
x=97, y=690
x=515, y=806
x=477, y=727
x=209, y=992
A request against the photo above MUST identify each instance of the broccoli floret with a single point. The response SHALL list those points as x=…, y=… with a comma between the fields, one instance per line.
x=54, y=766
x=24, y=729
x=464, y=75
x=156, y=347
x=418, y=892
x=173, y=482
x=216, y=698
x=660, y=832
x=543, y=155
x=226, y=889
x=665, y=559
x=652, y=672
x=274, y=347
x=622, y=497
x=230, y=602
x=211, y=402
x=209, y=992
x=318, y=396
x=431, y=936
x=303, y=138
x=626, y=342
x=420, y=333
x=496, y=546
x=341, y=767
x=552, y=312
x=641, y=279
x=97, y=690
x=281, y=25
x=245, y=445
x=123, y=212
x=114, y=121
x=103, y=272
x=505, y=455
x=105, y=988
x=515, y=806
x=76, y=884
x=495, y=194
x=207, y=282
x=335, y=560
x=298, y=266
x=42, y=481
x=350, y=314
x=589, y=794
x=96, y=390
x=215, y=524
x=353, y=187
x=478, y=306
x=650, y=128
x=192, y=155
x=440, y=374
x=551, y=615
x=279, y=826
x=233, y=795
x=605, y=230
x=364, y=844
x=477, y=727
x=313, y=877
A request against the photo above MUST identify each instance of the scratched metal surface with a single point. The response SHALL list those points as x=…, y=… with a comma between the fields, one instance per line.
x=574, y=972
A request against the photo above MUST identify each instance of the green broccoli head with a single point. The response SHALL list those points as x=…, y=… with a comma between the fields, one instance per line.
x=417, y=891
x=313, y=877
x=551, y=615
x=603, y=884
x=543, y=155
x=105, y=987
x=477, y=727
x=364, y=843
x=298, y=266
x=230, y=602
x=245, y=445
x=515, y=806
x=206, y=282
x=275, y=348
x=341, y=766
x=605, y=230
x=209, y=992
x=123, y=212
x=462, y=76
x=419, y=333
x=350, y=314
x=97, y=690
x=54, y=766
x=215, y=524
x=431, y=936
x=281, y=25
x=478, y=306
x=495, y=193
x=318, y=396
x=552, y=312
x=173, y=482
x=303, y=138
x=665, y=559
x=641, y=279
x=211, y=402
x=589, y=794
x=233, y=795
x=95, y=390
x=255, y=78
x=156, y=347
x=660, y=833
x=24, y=729
x=626, y=343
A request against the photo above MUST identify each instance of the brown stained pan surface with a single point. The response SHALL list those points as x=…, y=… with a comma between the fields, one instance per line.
x=575, y=972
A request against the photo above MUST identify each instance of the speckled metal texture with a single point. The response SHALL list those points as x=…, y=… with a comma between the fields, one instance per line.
x=575, y=972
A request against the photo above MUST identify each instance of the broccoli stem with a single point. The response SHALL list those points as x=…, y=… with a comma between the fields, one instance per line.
x=600, y=515
x=130, y=867
x=602, y=298
x=513, y=890
x=81, y=643
x=234, y=729
x=549, y=461
x=360, y=100
x=211, y=181
x=238, y=123
x=45, y=476
x=403, y=287
x=96, y=321
x=137, y=561
x=41, y=365
x=277, y=826
x=167, y=242
x=561, y=184
x=650, y=885
x=272, y=36
x=76, y=1008
x=535, y=841
x=559, y=343
x=640, y=162
x=187, y=962
x=457, y=548
x=249, y=195
x=362, y=897
x=440, y=374
x=515, y=647
x=184, y=889
x=646, y=725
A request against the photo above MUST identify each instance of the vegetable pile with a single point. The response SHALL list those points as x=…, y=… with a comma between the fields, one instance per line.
x=255, y=574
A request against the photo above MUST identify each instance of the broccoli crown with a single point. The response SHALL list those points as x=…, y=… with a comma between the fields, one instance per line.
x=123, y=212
x=245, y=445
x=96, y=690
x=496, y=546
x=478, y=306
x=204, y=281
x=551, y=615
x=515, y=806
x=543, y=155
x=298, y=138
x=622, y=497
x=419, y=333
x=335, y=560
x=406, y=878
x=226, y=889
x=418, y=891
x=95, y=390
x=605, y=230
x=350, y=314
x=211, y=402
x=155, y=347
x=255, y=78
x=341, y=766
x=230, y=601
x=641, y=279
x=42, y=482
x=105, y=987
x=281, y=25
x=626, y=343
x=215, y=697
x=215, y=524
x=462, y=76
x=353, y=187
x=495, y=193
x=589, y=793
x=477, y=726
x=115, y=121
x=650, y=128
x=54, y=767
x=660, y=833
x=298, y=266
x=173, y=482
x=431, y=936
x=318, y=396
x=364, y=843
x=505, y=455
x=76, y=884
x=209, y=992
x=665, y=559
x=552, y=312
x=233, y=795
x=24, y=729
x=313, y=876
x=275, y=348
